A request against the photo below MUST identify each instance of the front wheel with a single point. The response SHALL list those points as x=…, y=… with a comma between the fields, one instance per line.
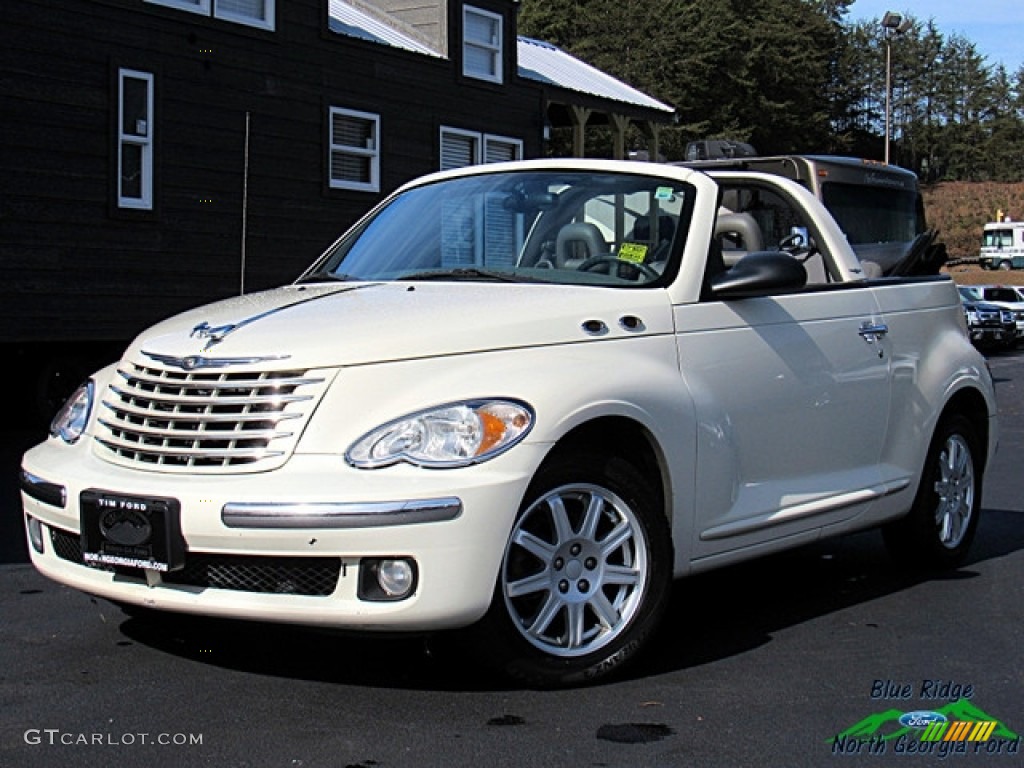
x=1005, y=266
x=585, y=576
x=941, y=524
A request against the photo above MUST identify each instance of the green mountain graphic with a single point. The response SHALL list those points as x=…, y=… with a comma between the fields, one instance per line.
x=886, y=725
x=873, y=725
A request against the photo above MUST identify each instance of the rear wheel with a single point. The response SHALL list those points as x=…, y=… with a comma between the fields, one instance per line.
x=1005, y=266
x=941, y=524
x=585, y=575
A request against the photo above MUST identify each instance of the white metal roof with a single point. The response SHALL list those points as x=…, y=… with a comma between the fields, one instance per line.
x=346, y=19
x=546, y=63
x=538, y=61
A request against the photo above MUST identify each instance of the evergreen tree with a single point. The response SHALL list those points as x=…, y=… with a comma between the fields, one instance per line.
x=794, y=76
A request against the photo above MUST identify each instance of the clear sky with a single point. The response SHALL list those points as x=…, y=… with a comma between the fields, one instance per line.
x=996, y=27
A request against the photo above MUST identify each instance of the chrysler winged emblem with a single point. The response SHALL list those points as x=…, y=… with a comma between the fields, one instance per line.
x=215, y=334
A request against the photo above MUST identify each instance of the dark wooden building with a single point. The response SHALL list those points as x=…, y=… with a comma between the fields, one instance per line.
x=158, y=154
x=140, y=136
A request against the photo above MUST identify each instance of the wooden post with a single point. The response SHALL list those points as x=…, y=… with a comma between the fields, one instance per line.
x=652, y=132
x=619, y=125
x=580, y=116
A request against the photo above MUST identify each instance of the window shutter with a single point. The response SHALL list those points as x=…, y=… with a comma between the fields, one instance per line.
x=498, y=151
x=457, y=151
x=350, y=168
x=503, y=233
x=480, y=29
x=351, y=131
x=245, y=9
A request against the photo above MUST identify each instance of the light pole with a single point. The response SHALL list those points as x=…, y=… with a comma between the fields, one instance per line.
x=892, y=23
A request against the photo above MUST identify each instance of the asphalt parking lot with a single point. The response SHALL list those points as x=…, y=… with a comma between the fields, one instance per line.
x=763, y=664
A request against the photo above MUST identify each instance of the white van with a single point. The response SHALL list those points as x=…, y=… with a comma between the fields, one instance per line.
x=1002, y=245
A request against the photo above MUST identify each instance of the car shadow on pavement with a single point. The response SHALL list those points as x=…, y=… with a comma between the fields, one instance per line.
x=305, y=653
x=737, y=609
x=711, y=617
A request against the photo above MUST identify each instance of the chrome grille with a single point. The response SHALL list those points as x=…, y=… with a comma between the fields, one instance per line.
x=206, y=420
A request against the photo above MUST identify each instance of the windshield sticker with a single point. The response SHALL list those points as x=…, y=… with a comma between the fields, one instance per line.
x=663, y=193
x=634, y=253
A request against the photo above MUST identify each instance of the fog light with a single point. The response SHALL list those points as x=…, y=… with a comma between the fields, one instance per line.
x=387, y=579
x=35, y=534
x=395, y=577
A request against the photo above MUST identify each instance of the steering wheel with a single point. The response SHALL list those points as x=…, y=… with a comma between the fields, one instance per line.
x=617, y=264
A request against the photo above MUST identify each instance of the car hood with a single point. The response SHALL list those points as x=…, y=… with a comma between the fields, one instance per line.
x=359, y=323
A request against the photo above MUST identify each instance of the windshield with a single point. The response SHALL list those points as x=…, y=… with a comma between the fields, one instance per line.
x=997, y=238
x=968, y=293
x=593, y=228
x=1001, y=294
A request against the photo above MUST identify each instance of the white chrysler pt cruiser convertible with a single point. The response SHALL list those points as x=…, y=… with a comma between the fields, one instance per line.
x=519, y=400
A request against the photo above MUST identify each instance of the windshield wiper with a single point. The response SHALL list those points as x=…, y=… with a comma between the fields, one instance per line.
x=325, y=277
x=468, y=273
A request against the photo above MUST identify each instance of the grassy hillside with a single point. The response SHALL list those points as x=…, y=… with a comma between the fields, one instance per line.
x=960, y=210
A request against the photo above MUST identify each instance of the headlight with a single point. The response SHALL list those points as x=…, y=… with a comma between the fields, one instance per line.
x=453, y=435
x=70, y=421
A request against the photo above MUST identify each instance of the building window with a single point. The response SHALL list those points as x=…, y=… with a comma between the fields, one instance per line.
x=498, y=149
x=460, y=148
x=493, y=234
x=254, y=13
x=135, y=140
x=354, y=155
x=481, y=44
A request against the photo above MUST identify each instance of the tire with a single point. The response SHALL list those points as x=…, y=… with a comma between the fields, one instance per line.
x=585, y=576
x=1005, y=266
x=940, y=527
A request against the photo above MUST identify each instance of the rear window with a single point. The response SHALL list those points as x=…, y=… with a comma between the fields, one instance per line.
x=873, y=214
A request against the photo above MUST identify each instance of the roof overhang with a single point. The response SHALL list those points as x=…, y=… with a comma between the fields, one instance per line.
x=570, y=83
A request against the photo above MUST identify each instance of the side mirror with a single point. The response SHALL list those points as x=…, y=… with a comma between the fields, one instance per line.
x=760, y=274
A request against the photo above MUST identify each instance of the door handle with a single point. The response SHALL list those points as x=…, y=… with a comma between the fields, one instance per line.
x=873, y=332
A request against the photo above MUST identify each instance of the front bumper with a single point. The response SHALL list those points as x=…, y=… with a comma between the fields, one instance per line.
x=992, y=334
x=292, y=545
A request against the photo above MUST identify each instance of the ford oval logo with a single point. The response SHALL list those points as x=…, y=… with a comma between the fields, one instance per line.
x=127, y=527
x=921, y=719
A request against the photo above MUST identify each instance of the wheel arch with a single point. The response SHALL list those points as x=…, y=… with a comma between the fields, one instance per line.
x=971, y=404
x=619, y=453
x=626, y=438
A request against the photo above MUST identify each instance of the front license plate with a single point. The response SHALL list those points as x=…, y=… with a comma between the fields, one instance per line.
x=131, y=531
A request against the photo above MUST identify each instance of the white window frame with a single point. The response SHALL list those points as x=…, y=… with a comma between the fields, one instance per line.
x=493, y=47
x=481, y=141
x=212, y=8
x=491, y=138
x=144, y=201
x=371, y=152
